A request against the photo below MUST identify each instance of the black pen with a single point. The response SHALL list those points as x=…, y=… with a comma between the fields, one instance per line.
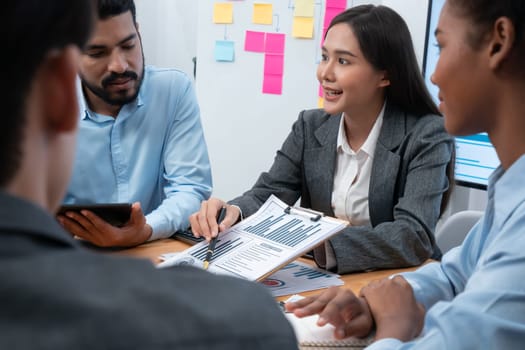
x=211, y=247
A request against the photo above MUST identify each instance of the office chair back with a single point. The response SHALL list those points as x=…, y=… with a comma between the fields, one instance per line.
x=455, y=228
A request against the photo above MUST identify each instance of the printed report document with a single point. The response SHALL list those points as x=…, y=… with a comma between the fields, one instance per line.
x=262, y=243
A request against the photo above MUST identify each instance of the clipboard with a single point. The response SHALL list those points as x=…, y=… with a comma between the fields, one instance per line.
x=264, y=242
x=310, y=213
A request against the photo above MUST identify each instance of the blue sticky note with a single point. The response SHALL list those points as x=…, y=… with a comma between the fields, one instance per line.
x=224, y=51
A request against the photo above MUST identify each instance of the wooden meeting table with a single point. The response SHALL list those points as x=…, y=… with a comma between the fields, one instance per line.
x=153, y=250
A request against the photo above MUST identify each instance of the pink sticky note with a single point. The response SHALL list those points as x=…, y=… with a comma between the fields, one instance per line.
x=321, y=93
x=254, y=41
x=272, y=84
x=274, y=43
x=340, y=4
x=330, y=14
x=273, y=64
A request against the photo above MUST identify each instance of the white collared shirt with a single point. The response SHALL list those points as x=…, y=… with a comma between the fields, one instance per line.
x=352, y=175
x=351, y=184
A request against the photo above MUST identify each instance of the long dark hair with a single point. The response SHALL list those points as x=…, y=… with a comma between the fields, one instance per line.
x=386, y=43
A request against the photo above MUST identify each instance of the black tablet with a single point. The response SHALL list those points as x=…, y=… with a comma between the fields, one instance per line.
x=117, y=214
x=187, y=236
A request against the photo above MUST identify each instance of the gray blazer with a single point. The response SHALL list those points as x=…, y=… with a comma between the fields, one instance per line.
x=57, y=295
x=409, y=178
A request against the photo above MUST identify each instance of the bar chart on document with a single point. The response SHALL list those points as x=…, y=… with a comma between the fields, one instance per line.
x=266, y=241
x=281, y=227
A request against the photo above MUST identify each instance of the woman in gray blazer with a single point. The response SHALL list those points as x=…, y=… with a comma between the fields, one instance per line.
x=376, y=155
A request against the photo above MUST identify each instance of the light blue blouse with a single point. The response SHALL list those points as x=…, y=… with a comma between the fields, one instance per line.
x=476, y=296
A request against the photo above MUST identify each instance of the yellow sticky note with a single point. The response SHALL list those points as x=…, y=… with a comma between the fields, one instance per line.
x=303, y=27
x=262, y=13
x=223, y=12
x=320, y=102
x=304, y=8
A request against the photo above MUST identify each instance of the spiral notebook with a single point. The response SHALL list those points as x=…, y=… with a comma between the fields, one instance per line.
x=310, y=335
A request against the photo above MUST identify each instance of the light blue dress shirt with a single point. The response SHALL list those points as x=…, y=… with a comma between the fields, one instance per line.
x=476, y=296
x=153, y=152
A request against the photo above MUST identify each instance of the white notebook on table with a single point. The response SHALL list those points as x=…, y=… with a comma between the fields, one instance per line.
x=310, y=335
